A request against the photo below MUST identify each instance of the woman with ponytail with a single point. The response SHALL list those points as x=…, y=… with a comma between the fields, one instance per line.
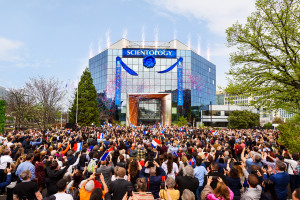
x=170, y=167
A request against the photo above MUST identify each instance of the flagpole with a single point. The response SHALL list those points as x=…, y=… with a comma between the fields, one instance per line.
x=77, y=104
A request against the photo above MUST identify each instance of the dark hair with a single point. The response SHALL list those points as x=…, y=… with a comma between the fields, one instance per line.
x=77, y=178
x=29, y=156
x=133, y=168
x=198, y=161
x=234, y=173
x=170, y=163
x=96, y=194
x=61, y=185
x=54, y=165
x=253, y=180
x=270, y=188
x=215, y=165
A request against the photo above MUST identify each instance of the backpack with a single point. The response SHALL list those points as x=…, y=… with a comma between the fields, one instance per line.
x=297, y=169
x=91, y=166
x=74, y=192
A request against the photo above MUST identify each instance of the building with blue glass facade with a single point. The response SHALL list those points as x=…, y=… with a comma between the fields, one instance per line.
x=152, y=94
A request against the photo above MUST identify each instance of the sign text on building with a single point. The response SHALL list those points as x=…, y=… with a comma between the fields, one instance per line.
x=140, y=53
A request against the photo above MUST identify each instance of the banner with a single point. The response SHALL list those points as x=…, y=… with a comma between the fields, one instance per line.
x=179, y=83
x=118, y=82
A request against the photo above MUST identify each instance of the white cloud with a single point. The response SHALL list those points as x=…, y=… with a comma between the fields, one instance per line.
x=9, y=50
x=217, y=14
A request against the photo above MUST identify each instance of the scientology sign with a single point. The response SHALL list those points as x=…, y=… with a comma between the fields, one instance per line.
x=140, y=53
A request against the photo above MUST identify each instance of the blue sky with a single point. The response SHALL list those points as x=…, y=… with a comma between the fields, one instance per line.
x=55, y=38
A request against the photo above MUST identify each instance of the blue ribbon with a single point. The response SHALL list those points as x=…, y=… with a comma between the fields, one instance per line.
x=127, y=69
x=172, y=67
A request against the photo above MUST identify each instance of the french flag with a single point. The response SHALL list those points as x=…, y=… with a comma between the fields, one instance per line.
x=159, y=124
x=132, y=133
x=155, y=142
x=103, y=158
x=102, y=126
x=163, y=131
x=214, y=132
x=77, y=146
x=180, y=129
x=109, y=125
x=101, y=136
x=192, y=161
x=145, y=132
x=93, y=124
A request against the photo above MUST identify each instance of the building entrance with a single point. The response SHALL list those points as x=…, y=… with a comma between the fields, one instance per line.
x=149, y=111
x=148, y=108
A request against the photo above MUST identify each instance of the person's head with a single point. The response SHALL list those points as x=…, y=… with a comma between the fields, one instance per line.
x=198, y=161
x=221, y=191
x=214, y=166
x=170, y=163
x=296, y=194
x=96, y=194
x=234, y=173
x=188, y=171
x=25, y=175
x=170, y=182
x=61, y=185
x=280, y=166
x=141, y=185
x=187, y=195
x=257, y=159
x=54, y=165
x=252, y=181
x=152, y=171
x=29, y=157
x=6, y=152
x=121, y=172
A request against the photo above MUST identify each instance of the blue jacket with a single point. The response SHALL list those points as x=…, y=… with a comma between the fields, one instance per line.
x=153, y=182
x=281, y=181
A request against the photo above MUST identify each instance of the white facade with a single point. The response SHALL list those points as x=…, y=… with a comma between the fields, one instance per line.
x=265, y=116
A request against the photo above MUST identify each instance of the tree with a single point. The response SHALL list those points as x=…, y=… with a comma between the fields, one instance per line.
x=266, y=62
x=20, y=106
x=268, y=125
x=2, y=115
x=290, y=134
x=47, y=100
x=278, y=120
x=182, y=121
x=243, y=119
x=88, y=111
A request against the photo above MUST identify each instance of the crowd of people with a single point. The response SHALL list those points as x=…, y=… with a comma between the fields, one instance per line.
x=147, y=162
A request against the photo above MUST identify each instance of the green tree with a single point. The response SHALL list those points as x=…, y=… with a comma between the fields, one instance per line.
x=243, y=119
x=182, y=121
x=88, y=111
x=266, y=62
x=290, y=134
x=268, y=125
x=2, y=115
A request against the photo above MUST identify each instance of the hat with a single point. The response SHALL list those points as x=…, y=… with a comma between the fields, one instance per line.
x=133, y=153
x=89, y=186
x=280, y=157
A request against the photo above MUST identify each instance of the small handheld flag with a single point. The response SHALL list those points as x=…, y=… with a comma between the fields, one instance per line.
x=93, y=124
x=175, y=154
x=155, y=142
x=145, y=132
x=78, y=146
x=109, y=125
x=100, y=136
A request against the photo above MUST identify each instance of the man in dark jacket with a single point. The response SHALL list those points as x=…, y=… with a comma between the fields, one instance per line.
x=187, y=181
x=154, y=180
x=118, y=188
x=215, y=174
x=54, y=174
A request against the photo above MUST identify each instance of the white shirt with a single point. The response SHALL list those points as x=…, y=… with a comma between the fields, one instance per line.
x=174, y=169
x=63, y=196
x=4, y=160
